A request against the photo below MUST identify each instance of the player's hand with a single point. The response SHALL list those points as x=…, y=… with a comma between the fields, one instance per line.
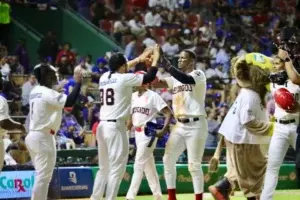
x=156, y=55
x=161, y=133
x=282, y=54
x=78, y=76
x=146, y=54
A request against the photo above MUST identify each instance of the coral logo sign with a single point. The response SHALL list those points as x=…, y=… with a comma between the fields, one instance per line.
x=14, y=184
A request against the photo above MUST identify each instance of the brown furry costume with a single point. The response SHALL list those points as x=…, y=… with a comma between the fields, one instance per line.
x=247, y=173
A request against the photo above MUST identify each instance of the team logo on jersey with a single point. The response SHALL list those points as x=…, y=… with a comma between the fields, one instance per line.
x=182, y=88
x=72, y=177
x=145, y=111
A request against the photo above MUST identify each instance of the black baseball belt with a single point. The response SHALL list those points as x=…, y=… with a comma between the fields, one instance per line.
x=282, y=121
x=110, y=120
x=188, y=120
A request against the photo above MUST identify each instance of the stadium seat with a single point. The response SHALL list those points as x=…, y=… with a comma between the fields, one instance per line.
x=106, y=25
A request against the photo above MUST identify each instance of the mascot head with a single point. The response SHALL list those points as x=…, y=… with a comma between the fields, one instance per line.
x=252, y=71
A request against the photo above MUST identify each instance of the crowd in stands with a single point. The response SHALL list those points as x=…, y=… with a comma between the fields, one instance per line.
x=216, y=32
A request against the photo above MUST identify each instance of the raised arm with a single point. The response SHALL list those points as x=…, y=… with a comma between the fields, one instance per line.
x=178, y=75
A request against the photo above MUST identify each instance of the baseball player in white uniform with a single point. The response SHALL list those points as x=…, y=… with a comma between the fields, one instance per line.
x=46, y=106
x=285, y=134
x=113, y=143
x=144, y=108
x=191, y=129
x=6, y=123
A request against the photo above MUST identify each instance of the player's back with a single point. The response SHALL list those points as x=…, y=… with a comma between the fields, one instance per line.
x=116, y=93
x=45, y=109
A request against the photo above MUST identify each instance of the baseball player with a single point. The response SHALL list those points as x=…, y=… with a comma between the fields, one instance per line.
x=144, y=108
x=46, y=106
x=6, y=123
x=191, y=129
x=285, y=134
x=115, y=97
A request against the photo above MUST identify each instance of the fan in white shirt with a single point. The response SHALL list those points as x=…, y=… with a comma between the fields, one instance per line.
x=170, y=48
x=153, y=18
x=5, y=69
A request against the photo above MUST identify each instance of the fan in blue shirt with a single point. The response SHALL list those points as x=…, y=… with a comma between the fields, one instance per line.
x=99, y=69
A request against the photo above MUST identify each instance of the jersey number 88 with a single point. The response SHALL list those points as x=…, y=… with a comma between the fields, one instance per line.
x=107, y=97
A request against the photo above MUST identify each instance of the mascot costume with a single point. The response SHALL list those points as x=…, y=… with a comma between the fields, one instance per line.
x=246, y=130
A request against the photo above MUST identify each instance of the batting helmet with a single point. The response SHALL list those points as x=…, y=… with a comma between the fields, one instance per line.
x=284, y=99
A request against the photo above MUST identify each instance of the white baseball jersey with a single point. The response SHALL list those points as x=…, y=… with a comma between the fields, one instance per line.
x=246, y=108
x=144, y=108
x=295, y=90
x=45, y=109
x=4, y=113
x=116, y=94
x=189, y=100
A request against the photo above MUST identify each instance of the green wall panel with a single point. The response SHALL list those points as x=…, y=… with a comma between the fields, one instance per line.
x=287, y=178
x=18, y=31
x=69, y=28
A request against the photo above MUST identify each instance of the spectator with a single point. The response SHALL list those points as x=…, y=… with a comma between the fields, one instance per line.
x=170, y=48
x=5, y=68
x=22, y=53
x=148, y=41
x=207, y=31
x=97, y=12
x=69, y=55
x=130, y=49
x=64, y=67
x=136, y=26
x=213, y=128
x=99, y=69
x=88, y=61
x=71, y=129
x=26, y=89
x=48, y=46
x=153, y=18
x=15, y=66
x=162, y=3
x=222, y=57
x=120, y=28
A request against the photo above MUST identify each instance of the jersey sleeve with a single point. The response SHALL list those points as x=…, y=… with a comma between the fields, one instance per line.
x=55, y=98
x=3, y=110
x=198, y=75
x=159, y=103
x=247, y=111
x=133, y=79
x=169, y=81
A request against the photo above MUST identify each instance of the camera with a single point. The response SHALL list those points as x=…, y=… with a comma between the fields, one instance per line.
x=279, y=77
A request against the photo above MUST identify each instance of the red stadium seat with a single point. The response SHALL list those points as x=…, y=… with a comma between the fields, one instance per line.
x=159, y=32
x=106, y=25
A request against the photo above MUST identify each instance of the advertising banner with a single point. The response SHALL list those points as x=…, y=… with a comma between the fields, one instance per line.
x=16, y=184
x=75, y=181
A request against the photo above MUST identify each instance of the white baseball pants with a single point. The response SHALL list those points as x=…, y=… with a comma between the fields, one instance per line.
x=284, y=135
x=186, y=136
x=113, y=150
x=2, y=153
x=42, y=150
x=144, y=162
